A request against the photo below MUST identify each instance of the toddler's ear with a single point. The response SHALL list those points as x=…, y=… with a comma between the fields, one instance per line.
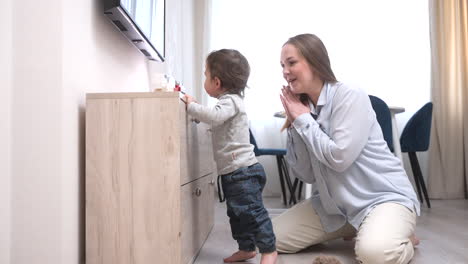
x=217, y=82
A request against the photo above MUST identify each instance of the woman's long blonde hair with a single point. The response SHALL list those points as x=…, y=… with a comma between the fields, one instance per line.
x=314, y=52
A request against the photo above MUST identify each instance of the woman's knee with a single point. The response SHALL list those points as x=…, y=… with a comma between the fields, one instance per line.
x=285, y=242
x=381, y=251
x=292, y=237
x=297, y=228
x=370, y=252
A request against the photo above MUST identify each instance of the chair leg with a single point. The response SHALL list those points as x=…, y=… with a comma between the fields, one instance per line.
x=298, y=184
x=295, y=185
x=281, y=178
x=417, y=183
x=418, y=174
x=293, y=191
x=301, y=184
x=292, y=198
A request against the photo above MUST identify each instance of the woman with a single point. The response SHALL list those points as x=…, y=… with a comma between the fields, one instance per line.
x=359, y=188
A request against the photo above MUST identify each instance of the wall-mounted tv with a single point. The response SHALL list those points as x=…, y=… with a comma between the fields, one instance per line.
x=142, y=22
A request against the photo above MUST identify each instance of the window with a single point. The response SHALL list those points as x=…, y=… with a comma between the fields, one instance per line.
x=381, y=46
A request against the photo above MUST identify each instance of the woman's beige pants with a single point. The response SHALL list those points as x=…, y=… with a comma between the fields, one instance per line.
x=383, y=236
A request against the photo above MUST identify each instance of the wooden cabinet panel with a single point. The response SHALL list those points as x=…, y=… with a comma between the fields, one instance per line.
x=198, y=214
x=137, y=153
x=197, y=155
x=131, y=161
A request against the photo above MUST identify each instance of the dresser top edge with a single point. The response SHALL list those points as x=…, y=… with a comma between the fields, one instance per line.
x=122, y=95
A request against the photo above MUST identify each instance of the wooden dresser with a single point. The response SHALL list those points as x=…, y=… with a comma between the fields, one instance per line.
x=149, y=180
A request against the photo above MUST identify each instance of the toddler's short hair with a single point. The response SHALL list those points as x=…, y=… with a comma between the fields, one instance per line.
x=232, y=69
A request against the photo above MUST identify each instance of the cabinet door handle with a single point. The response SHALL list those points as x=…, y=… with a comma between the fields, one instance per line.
x=197, y=192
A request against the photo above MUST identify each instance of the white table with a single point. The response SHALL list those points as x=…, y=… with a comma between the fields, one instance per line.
x=395, y=137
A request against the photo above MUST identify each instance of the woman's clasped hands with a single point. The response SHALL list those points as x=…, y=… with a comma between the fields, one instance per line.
x=292, y=104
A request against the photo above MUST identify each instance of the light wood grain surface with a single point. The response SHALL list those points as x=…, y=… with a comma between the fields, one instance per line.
x=149, y=180
x=197, y=149
x=197, y=213
x=132, y=183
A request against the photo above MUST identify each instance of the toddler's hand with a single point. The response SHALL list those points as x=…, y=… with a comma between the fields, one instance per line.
x=189, y=99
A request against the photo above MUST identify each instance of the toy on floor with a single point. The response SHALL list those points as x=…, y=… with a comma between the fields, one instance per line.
x=326, y=260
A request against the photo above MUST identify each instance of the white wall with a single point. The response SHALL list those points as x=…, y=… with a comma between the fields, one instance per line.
x=60, y=51
x=36, y=132
x=5, y=126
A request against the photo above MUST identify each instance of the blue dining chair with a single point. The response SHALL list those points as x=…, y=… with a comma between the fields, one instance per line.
x=415, y=138
x=282, y=167
x=384, y=119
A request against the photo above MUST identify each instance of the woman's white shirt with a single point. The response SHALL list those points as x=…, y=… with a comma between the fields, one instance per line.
x=344, y=156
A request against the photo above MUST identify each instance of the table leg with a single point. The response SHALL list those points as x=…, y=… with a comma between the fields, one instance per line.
x=308, y=190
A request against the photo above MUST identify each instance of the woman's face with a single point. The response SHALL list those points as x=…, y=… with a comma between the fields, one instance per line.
x=296, y=71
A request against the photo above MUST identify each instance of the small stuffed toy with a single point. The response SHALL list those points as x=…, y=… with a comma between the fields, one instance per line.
x=326, y=260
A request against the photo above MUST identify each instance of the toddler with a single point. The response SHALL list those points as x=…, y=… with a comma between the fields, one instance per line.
x=242, y=177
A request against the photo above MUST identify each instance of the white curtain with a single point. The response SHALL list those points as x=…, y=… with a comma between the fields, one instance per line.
x=381, y=46
x=202, y=44
x=449, y=136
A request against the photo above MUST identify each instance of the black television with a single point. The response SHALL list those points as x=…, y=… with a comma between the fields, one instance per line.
x=142, y=22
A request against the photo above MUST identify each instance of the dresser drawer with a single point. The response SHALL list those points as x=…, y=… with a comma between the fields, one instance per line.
x=196, y=149
x=197, y=205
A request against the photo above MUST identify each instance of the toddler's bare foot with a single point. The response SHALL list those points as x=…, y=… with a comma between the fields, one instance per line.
x=240, y=256
x=414, y=240
x=326, y=260
x=269, y=258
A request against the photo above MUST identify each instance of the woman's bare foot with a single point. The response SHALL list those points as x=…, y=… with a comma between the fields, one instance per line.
x=414, y=240
x=326, y=260
x=240, y=256
x=269, y=258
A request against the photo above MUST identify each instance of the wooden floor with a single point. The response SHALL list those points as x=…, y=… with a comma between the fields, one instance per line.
x=443, y=231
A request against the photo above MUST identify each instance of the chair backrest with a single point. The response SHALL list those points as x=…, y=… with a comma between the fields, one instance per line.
x=253, y=142
x=417, y=132
x=384, y=119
